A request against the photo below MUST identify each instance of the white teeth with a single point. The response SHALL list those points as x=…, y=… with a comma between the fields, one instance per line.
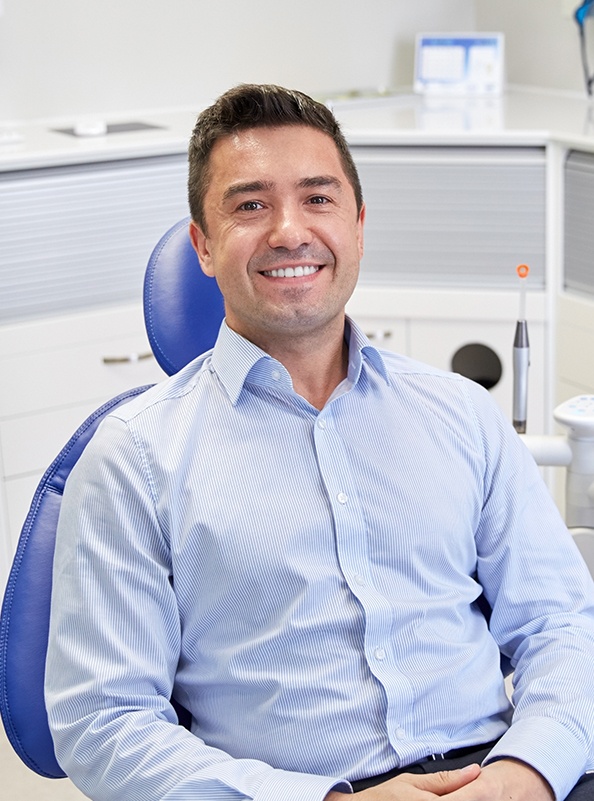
x=293, y=272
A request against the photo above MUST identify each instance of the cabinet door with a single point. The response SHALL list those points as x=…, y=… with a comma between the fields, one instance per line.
x=578, y=274
x=453, y=217
x=80, y=236
x=575, y=306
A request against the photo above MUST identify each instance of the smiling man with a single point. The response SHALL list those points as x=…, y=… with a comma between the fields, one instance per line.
x=297, y=536
x=282, y=232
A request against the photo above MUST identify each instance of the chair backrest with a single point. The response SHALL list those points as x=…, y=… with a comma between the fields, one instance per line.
x=24, y=622
x=183, y=313
x=183, y=307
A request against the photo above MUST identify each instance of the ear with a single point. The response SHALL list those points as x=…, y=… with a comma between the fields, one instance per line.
x=199, y=242
x=360, y=225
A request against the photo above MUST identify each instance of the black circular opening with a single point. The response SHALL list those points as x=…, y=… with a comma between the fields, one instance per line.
x=478, y=362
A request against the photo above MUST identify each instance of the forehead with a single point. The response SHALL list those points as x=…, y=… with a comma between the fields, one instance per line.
x=288, y=152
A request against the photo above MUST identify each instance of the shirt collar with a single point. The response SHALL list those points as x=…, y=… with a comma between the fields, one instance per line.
x=234, y=358
x=360, y=350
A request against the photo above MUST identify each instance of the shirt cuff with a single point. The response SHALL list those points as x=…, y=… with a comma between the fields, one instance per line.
x=298, y=786
x=546, y=746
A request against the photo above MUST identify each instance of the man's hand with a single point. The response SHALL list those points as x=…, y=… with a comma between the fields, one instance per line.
x=505, y=780
x=416, y=787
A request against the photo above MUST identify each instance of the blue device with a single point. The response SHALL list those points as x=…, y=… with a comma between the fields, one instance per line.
x=583, y=11
x=581, y=14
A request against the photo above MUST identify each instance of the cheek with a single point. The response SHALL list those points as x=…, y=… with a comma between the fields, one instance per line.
x=229, y=268
x=344, y=232
x=236, y=244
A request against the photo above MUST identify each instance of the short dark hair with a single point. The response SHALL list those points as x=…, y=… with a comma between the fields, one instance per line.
x=258, y=106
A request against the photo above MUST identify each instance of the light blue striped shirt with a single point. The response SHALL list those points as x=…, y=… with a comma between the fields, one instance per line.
x=305, y=583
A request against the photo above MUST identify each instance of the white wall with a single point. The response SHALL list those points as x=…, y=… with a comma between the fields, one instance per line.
x=71, y=57
x=541, y=40
x=63, y=58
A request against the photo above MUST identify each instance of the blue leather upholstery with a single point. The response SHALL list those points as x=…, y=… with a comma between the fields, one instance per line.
x=183, y=307
x=25, y=611
x=183, y=312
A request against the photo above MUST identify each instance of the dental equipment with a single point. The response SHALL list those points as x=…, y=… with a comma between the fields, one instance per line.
x=521, y=359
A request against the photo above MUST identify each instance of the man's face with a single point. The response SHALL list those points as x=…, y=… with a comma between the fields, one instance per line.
x=284, y=237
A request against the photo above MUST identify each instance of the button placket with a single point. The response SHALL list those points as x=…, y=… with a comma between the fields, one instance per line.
x=353, y=557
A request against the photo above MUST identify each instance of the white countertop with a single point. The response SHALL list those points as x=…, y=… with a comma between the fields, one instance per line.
x=520, y=117
x=43, y=145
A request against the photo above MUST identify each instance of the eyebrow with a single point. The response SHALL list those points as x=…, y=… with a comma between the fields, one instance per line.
x=319, y=181
x=248, y=187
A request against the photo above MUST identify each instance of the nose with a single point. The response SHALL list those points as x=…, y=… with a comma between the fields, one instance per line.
x=289, y=228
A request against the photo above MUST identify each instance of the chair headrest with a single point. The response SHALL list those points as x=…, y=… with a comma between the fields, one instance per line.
x=183, y=307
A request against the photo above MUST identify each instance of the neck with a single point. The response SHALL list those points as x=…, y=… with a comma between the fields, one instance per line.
x=317, y=362
x=315, y=377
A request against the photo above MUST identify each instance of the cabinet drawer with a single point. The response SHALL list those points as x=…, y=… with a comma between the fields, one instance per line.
x=384, y=332
x=74, y=361
x=75, y=375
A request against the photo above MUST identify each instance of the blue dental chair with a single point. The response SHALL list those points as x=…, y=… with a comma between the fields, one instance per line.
x=183, y=311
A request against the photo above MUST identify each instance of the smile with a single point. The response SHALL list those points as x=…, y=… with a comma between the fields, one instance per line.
x=292, y=272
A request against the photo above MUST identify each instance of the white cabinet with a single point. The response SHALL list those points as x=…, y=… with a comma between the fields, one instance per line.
x=55, y=372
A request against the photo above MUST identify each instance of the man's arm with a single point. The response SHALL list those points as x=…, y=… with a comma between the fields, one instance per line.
x=542, y=598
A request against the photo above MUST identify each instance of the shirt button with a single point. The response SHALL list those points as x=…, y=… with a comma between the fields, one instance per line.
x=400, y=734
x=275, y=375
x=359, y=580
x=379, y=654
x=342, y=498
x=321, y=424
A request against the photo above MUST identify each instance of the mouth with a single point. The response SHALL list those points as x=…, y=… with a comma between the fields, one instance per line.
x=298, y=271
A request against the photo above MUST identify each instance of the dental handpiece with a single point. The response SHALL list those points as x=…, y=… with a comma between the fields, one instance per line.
x=521, y=359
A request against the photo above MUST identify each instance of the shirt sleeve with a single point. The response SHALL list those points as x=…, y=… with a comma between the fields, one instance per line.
x=114, y=647
x=542, y=600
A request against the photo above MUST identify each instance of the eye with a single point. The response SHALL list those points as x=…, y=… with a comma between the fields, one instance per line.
x=318, y=200
x=250, y=205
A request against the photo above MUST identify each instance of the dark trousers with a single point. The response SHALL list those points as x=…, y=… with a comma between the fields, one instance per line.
x=583, y=791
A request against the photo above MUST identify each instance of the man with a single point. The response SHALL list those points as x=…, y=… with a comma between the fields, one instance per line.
x=292, y=536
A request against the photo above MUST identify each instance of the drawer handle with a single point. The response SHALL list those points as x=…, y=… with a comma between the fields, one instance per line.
x=130, y=359
x=379, y=335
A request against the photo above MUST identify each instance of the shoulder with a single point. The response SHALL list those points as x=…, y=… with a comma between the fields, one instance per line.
x=448, y=396
x=396, y=363
x=415, y=373
x=166, y=393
